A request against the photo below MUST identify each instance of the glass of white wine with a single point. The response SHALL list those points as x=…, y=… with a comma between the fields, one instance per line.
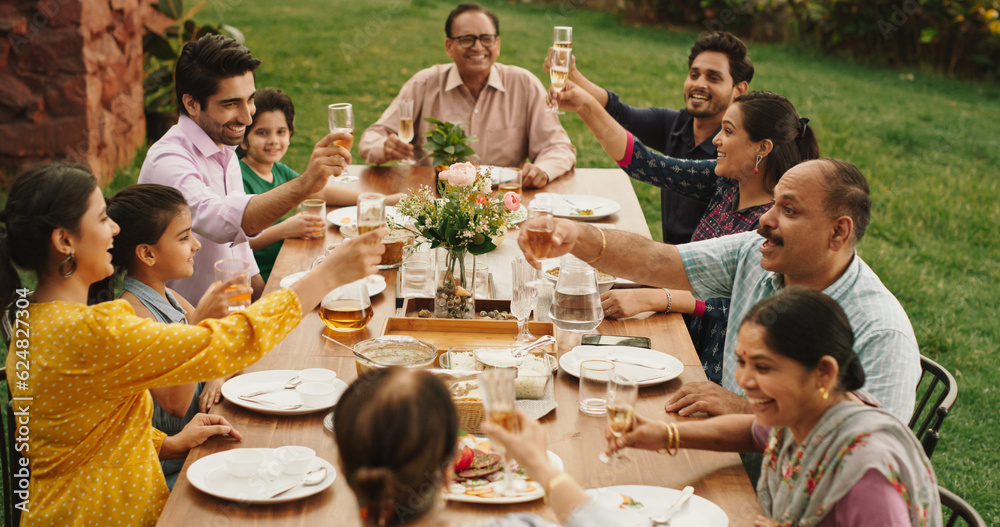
x=558, y=73
x=562, y=37
x=341, y=118
x=406, y=125
x=371, y=212
x=499, y=391
x=623, y=392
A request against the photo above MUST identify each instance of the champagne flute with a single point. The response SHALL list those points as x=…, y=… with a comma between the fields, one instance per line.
x=558, y=73
x=406, y=125
x=623, y=392
x=562, y=37
x=341, y=118
x=498, y=390
x=523, y=299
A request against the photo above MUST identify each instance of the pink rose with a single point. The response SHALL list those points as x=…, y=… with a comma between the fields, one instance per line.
x=443, y=175
x=511, y=201
x=461, y=174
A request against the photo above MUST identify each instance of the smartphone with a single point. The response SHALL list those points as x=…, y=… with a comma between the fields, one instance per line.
x=615, y=340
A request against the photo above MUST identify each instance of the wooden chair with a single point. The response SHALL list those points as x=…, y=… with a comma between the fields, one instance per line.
x=958, y=508
x=936, y=392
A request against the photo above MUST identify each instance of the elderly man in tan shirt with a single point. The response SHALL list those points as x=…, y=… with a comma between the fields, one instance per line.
x=503, y=106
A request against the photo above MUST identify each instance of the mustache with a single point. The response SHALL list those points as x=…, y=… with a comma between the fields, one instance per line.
x=768, y=233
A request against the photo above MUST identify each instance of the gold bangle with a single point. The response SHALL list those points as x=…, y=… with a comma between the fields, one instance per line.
x=673, y=440
x=555, y=482
x=604, y=245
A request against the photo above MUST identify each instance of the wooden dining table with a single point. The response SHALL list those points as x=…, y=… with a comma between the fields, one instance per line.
x=575, y=437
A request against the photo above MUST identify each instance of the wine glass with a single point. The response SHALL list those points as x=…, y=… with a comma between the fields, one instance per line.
x=371, y=212
x=540, y=232
x=523, y=298
x=406, y=125
x=562, y=37
x=623, y=392
x=341, y=117
x=558, y=73
x=498, y=390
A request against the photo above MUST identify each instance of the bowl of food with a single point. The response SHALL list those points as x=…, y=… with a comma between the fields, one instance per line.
x=393, y=350
x=604, y=280
x=534, y=371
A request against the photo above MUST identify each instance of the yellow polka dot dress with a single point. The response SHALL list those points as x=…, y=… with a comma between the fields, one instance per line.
x=93, y=452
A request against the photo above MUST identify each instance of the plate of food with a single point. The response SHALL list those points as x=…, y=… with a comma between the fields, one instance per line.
x=648, y=502
x=579, y=206
x=212, y=476
x=479, y=475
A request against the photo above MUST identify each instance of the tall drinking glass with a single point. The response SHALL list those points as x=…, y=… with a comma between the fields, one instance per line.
x=315, y=207
x=228, y=269
x=371, y=212
x=498, y=390
x=558, y=73
x=406, y=125
x=623, y=392
x=523, y=299
x=562, y=37
x=341, y=118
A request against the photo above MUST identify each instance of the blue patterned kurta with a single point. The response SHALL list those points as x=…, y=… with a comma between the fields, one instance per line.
x=697, y=179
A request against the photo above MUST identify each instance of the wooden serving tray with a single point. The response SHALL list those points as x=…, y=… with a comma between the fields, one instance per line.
x=412, y=306
x=446, y=332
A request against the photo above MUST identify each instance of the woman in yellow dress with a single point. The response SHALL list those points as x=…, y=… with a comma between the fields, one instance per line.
x=93, y=454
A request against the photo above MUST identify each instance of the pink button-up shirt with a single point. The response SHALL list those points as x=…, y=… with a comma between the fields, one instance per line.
x=508, y=119
x=187, y=159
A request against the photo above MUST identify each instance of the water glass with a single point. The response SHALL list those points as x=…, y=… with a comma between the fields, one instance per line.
x=417, y=279
x=523, y=298
x=594, y=378
x=228, y=269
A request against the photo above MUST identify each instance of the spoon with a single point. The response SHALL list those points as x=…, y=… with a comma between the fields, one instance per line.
x=518, y=353
x=276, y=405
x=664, y=518
x=292, y=383
x=313, y=477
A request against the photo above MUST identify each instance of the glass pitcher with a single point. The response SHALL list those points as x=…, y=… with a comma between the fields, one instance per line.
x=576, y=303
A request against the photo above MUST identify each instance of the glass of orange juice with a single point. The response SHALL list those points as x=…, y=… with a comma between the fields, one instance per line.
x=229, y=269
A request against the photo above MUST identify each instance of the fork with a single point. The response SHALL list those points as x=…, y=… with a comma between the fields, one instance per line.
x=292, y=383
x=576, y=208
x=276, y=405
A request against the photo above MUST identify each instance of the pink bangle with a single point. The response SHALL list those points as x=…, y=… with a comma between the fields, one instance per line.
x=699, y=308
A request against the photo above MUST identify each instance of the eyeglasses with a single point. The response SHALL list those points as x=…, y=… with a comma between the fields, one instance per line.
x=467, y=41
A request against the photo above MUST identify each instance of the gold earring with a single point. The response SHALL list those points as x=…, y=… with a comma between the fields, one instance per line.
x=823, y=394
x=68, y=266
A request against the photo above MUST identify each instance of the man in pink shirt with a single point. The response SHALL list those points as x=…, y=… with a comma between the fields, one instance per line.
x=197, y=156
x=502, y=106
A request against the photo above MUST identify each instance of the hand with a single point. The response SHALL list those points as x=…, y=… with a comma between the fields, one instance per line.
x=211, y=394
x=527, y=445
x=327, y=160
x=394, y=149
x=564, y=236
x=645, y=434
x=572, y=98
x=201, y=427
x=215, y=302
x=706, y=397
x=355, y=258
x=533, y=177
x=304, y=226
x=393, y=199
x=762, y=521
x=622, y=303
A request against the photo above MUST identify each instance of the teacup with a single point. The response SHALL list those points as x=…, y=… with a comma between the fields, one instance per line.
x=318, y=375
x=317, y=394
x=295, y=459
x=243, y=462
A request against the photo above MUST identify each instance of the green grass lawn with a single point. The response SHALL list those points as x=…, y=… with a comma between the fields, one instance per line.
x=929, y=147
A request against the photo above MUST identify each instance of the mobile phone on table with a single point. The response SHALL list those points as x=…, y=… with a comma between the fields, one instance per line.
x=615, y=340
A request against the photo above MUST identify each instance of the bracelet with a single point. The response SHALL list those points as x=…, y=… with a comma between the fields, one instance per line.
x=673, y=440
x=556, y=480
x=604, y=245
x=699, y=308
x=670, y=300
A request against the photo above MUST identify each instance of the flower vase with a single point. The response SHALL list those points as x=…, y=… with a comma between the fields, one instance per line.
x=455, y=293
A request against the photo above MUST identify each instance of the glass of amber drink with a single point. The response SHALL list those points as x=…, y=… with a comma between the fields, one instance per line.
x=347, y=308
x=230, y=269
x=498, y=390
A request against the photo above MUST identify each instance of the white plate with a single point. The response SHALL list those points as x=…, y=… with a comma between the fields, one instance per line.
x=210, y=475
x=601, y=207
x=375, y=282
x=697, y=512
x=347, y=215
x=519, y=215
x=538, y=493
x=499, y=174
x=259, y=380
x=570, y=362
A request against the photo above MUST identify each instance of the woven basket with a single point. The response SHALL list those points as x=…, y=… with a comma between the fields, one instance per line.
x=470, y=415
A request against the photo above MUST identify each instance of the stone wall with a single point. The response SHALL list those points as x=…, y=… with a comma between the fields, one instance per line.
x=70, y=83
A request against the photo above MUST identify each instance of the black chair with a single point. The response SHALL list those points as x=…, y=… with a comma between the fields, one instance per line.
x=958, y=508
x=936, y=393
